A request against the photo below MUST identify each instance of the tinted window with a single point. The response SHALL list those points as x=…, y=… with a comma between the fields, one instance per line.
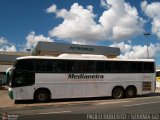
x=145, y=67
x=139, y=67
x=23, y=78
x=81, y=66
x=76, y=66
x=132, y=67
x=108, y=67
x=124, y=67
x=100, y=66
x=148, y=67
x=50, y=66
x=40, y=65
x=151, y=67
x=119, y=67
x=71, y=66
x=91, y=67
x=25, y=65
x=61, y=66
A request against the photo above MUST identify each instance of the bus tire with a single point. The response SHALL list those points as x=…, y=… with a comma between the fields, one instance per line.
x=130, y=92
x=118, y=92
x=41, y=96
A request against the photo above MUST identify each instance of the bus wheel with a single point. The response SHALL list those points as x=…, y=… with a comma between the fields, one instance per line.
x=118, y=93
x=41, y=96
x=130, y=92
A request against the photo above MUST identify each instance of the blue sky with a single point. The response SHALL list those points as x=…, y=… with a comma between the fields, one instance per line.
x=119, y=23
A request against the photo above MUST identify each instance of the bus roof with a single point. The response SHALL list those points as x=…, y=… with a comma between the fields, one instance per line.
x=83, y=57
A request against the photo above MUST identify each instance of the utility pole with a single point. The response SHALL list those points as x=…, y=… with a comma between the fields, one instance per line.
x=147, y=34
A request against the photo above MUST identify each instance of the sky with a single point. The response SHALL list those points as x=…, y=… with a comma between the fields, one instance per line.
x=115, y=23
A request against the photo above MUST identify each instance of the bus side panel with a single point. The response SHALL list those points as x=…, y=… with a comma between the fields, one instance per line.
x=98, y=89
x=60, y=90
x=91, y=89
x=78, y=89
x=23, y=93
x=62, y=87
x=58, y=84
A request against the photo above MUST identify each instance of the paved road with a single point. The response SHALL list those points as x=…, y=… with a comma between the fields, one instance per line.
x=141, y=106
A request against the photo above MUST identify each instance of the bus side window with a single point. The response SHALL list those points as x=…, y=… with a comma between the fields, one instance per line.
x=116, y=67
x=100, y=66
x=61, y=66
x=91, y=66
x=71, y=67
x=145, y=67
x=40, y=65
x=81, y=66
x=139, y=67
x=151, y=67
x=148, y=67
x=132, y=67
x=51, y=66
x=125, y=67
x=120, y=67
x=108, y=67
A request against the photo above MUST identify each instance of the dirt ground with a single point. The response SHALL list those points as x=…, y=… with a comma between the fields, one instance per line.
x=5, y=101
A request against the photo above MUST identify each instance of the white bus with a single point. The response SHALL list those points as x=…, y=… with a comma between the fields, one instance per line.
x=43, y=78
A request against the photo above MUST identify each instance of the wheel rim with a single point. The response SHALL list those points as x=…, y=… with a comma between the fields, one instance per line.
x=41, y=97
x=117, y=93
x=130, y=92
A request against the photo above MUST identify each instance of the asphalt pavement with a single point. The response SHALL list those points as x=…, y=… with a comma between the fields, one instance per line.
x=82, y=109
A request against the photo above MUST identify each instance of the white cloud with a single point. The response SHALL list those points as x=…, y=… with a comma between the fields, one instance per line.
x=52, y=9
x=137, y=51
x=105, y=5
x=78, y=25
x=3, y=41
x=6, y=46
x=90, y=7
x=152, y=11
x=119, y=22
x=123, y=47
x=33, y=39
